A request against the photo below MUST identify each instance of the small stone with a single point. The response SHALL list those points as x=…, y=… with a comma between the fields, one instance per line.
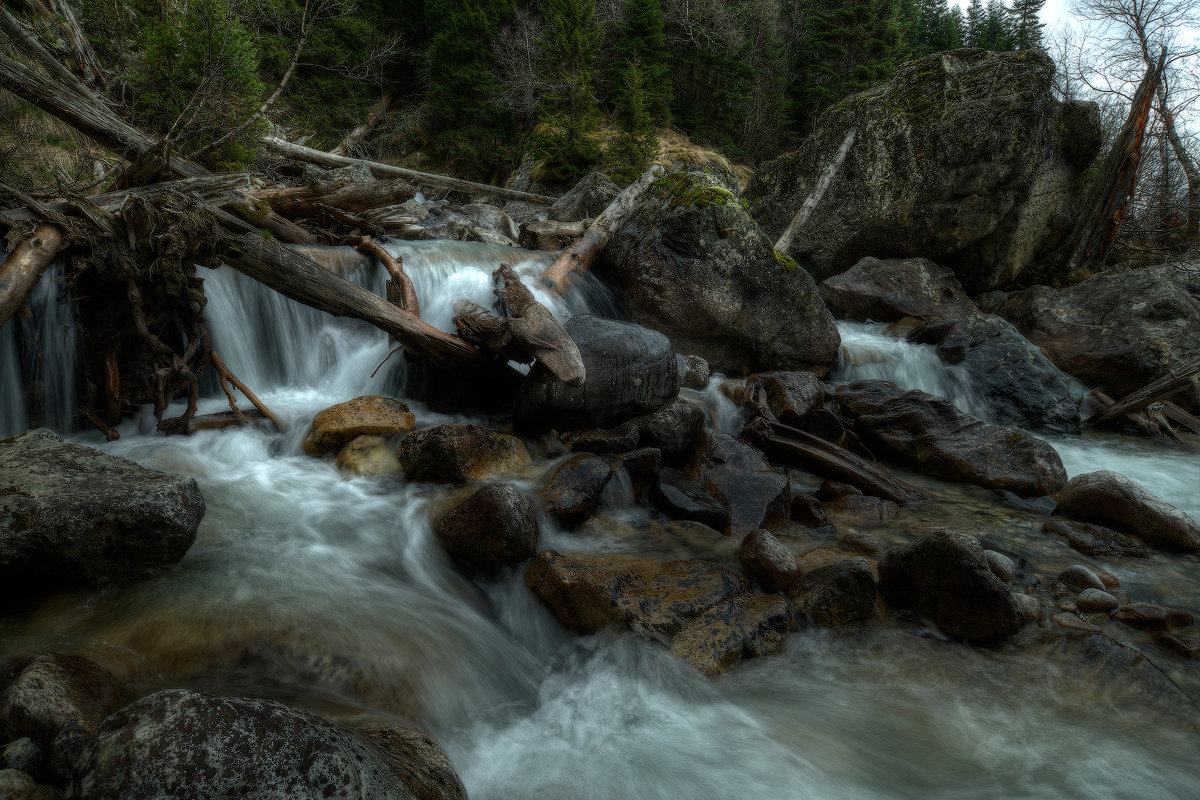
x=832, y=490
x=370, y=415
x=1108, y=579
x=864, y=543
x=368, y=456
x=23, y=755
x=693, y=371
x=1081, y=577
x=1076, y=623
x=1029, y=606
x=573, y=492
x=1188, y=648
x=854, y=509
x=765, y=559
x=807, y=510
x=1001, y=565
x=1096, y=600
x=1152, y=618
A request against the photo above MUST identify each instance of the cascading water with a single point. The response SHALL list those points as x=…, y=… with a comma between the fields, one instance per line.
x=330, y=592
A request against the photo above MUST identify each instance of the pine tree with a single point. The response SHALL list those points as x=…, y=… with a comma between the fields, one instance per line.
x=637, y=142
x=976, y=17
x=470, y=128
x=996, y=32
x=851, y=45
x=642, y=46
x=569, y=113
x=1026, y=24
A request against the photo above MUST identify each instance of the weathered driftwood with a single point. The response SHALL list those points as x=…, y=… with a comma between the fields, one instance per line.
x=300, y=278
x=551, y=235
x=795, y=448
x=1106, y=204
x=1180, y=417
x=1150, y=420
x=226, y=377
x=309, y=201
x=67, y=99
x=527, y=332
x=24, y=267
x=323, y=159
x=400, y=289
x=578, y=258
x=1163, y=388
x=814, y=197
x=222, y=420
x=378, y=112
x=26, y=42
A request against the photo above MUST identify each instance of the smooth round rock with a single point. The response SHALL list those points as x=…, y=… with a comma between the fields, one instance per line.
x=1081, y=577
x=1001, y=565
x=1096, y=600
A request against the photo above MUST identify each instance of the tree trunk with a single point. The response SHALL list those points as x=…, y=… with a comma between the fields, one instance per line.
x=1162, y=388
x=355, y=136
x=814, y=197
x=323, y=159
x=24, y=267
x=85, y=57
x=1107, y=202
x=1186, y=162
x=307, y=201
x=578, y=258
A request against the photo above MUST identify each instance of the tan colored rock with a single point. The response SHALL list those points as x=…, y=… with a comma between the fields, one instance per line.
x=458, y=453
x=368, y=456
x=369, y=415
x=741, y=627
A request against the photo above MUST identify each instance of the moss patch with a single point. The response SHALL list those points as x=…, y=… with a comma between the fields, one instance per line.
x=786, y=262
x=685, y=190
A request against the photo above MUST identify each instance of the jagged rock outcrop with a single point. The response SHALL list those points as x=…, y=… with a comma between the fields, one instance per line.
x=72, y=516
x=964, y=157
x=692, y=263
x=1116, y=331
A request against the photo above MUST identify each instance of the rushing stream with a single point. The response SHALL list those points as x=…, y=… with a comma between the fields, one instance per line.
x=331, y=593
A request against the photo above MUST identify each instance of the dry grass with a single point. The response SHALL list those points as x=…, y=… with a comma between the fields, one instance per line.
x=36, y=148
x=676, y=150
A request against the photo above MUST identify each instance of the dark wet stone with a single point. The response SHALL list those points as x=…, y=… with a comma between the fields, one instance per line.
x=807, y=510
x=1042, y=506
x=642, y=465
x=1096, y=601
x=790, y=396
x=1096, y=540
x=1109, y=498
x=856, y=509
x=496, y=525
x=680, y=497
x=1081, y=577
x=573, y=491
x=837, y=594
x=457, y=453
x=739, y=477
x=832, y=490
x=765, y=559
x=1152, y=618
x=1001, y=565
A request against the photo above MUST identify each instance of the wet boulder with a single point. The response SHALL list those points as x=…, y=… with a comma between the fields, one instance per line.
x=73, y=516
x=1116, y=331
x=370, y=415
x=1096, y=540
x=672, y=429
x=691, y=262
x=944, y=577
x=765, y=559
x=791, y=396
x=202, y=746
x=739, y=477
x=963, y=157
x=59, y=702
x=680, y=497
x=742, y=627
x=1152, y=618
x=1111, y=499
x=586, y=200
x=17, y=785
x=457, y=453
x=836, y=594
x=368, y=456
x=496, y=525
x=928, y=434
x=857, y=509
x=693, y=371
x=631, y=372
x=588, y=593
x=889, y=289
x=573, y=492
x=453, y=224
x=1020, y=385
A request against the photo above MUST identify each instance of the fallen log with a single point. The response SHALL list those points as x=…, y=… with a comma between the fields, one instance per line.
x=323, y=159
x=1163, y=388
x=578, y=258
x=303, y=280
x=23, y=268
x=226, y=377
x=400, y=289
x=814, y=197
x=795, y=448
x=1180, y=416
x=309, y=201
x=550, y=235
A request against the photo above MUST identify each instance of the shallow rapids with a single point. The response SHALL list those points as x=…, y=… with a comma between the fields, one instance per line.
x=331, y=593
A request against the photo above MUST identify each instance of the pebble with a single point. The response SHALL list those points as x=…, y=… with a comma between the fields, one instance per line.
x=1076, y=623
x=1096, y=600
x=1152, y=618
x=1081, y=577
x=1030, y=607
x=1108, y=579
x=1001, y=565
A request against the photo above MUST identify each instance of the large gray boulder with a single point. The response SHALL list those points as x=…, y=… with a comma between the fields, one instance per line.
x=585, y=200
x=631, y=372
x=964, y=157
x=887, y=289
x=928, y=434
x=691, y=262
x=1111, y=499
x=72, y=516
x=1116, y=331
x=1020, y=385
x=194, y=746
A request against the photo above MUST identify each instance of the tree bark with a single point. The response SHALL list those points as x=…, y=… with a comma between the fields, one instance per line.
x=85, y=57
x=578, y=258
x=1186, y=162
x=1105, y=207
x=323, y=159
x=301, y=279
x=814, y=197
x=307, y=201
x=24, y=267
x=1163, y=388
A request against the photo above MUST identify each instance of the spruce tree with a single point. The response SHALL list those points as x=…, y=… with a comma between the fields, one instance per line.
x=642, y=47
x=637, y=143
x=976, y=18
x=1026, y=24
x=569, y=115
x=471, y=130
x=997, y=31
